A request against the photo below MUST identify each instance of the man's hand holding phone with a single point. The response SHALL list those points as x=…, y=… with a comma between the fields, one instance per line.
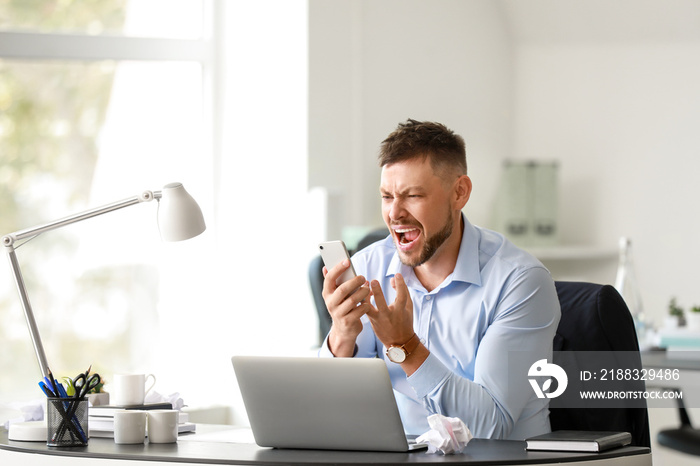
x=346, y=302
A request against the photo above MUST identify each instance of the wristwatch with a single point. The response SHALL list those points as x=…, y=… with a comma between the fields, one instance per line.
x=398, y=354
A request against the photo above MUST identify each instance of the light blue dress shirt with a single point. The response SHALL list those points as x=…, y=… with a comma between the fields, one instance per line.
x=493, y=317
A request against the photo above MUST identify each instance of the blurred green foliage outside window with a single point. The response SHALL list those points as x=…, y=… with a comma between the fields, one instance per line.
x=52, y=113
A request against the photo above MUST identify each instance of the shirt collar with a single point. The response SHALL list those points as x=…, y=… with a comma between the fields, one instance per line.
x=467, y=267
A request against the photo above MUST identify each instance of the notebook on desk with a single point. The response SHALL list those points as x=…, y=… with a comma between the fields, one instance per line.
x=321, y=403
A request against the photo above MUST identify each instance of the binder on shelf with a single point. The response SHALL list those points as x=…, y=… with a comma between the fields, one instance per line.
x=545, y=204
x=513, y=202
x=527, y=203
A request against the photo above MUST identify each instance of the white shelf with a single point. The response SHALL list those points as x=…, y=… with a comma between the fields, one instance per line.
x=573, y=252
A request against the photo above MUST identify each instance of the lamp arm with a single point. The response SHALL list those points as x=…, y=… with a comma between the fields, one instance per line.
x=10, y=239
x=9, y=242
x=28, y=314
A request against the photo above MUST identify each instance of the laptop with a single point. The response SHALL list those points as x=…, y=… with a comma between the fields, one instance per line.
x=321, y=403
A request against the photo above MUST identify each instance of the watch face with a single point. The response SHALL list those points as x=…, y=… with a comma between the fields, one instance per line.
x=396, y=354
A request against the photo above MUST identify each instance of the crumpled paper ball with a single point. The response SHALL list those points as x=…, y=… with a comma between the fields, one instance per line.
x=447, y=435
x=23, y=411
x=174, y=399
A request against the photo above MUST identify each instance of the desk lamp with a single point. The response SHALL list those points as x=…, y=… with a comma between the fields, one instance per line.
x=179, y=218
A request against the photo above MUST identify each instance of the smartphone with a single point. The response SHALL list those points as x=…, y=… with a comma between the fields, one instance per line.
x=334, y=252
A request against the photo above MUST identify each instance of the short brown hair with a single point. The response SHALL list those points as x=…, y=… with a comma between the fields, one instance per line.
x=425, y=139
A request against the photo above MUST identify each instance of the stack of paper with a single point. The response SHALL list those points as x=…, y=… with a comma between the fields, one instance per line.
x=681, y=337
x=101, y=418
x=681, y=343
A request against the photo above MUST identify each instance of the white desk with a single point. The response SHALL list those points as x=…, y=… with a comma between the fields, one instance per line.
x=199, y=449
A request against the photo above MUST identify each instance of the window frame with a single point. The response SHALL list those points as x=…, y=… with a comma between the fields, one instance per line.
x=207, y=51
x=59, y=46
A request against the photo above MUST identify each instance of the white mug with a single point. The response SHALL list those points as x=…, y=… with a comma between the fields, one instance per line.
x=129, y=426
x=130, y=389
x=162, y=425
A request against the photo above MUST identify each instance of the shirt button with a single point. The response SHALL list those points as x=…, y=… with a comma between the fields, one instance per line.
x=428, y=298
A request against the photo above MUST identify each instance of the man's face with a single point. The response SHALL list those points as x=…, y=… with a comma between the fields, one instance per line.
x=417, y=208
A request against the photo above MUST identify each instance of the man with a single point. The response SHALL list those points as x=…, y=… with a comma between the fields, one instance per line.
x=459, y=313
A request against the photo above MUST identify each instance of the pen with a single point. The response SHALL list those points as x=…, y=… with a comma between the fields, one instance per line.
x=48, y=385
x=46, y=390
x=52, y=383
x=61, y=390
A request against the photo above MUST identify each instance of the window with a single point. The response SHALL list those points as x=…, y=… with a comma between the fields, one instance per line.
x=116, y=113
x=99, y=100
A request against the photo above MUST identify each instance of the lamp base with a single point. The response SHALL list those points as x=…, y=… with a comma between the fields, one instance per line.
x=32, y=431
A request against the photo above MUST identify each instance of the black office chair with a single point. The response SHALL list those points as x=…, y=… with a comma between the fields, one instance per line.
x=685, y=438
x=316, y=281
x=595, y=318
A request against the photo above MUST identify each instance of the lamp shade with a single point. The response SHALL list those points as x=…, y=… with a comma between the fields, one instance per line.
x=179, y=216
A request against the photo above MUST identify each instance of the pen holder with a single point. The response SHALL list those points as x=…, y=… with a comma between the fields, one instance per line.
x=67, y=422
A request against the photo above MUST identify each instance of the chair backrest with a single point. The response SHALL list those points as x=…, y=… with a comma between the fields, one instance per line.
x=595, y=318
x=316, y=281
x=372, y=237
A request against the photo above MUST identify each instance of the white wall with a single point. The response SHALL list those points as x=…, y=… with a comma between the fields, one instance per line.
x=623, y=119
x=375, y=64
x=257, y=300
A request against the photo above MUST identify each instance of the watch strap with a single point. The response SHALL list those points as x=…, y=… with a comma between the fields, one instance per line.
x=407, y=348
x=411, y=345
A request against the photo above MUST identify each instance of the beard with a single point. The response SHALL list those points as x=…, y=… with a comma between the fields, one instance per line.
x=431, y=244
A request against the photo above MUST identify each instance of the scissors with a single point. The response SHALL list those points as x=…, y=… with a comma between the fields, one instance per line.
x=83, y=384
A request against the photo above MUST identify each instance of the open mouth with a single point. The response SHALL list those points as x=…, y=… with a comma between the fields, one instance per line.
x=406, y=236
